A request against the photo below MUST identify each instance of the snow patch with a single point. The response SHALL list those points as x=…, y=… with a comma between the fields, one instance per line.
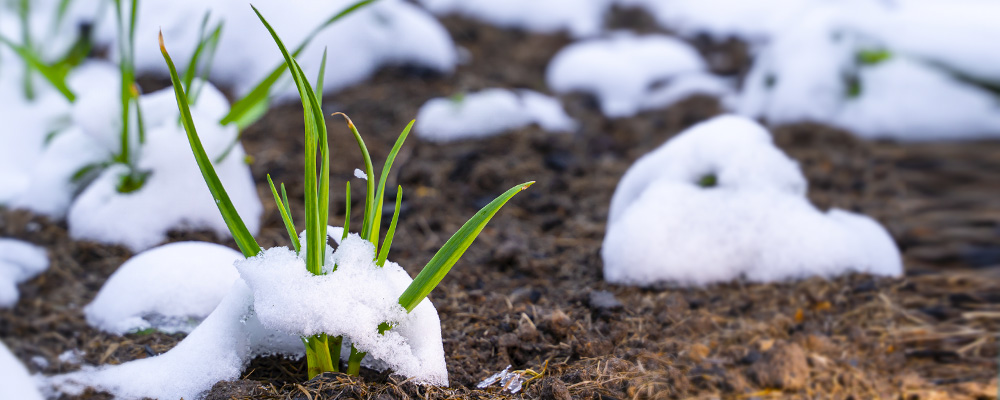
x=17, y=384
x=489, y=113
x=755, y=21
x=578, y=17
x=630, y=73
x=170, y=288
x=19, y=261
x=721, y=202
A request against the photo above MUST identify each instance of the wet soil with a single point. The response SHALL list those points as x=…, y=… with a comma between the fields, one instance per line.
x=530, y=294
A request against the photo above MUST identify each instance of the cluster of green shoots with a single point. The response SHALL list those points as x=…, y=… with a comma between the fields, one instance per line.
x=244, y=112
x=323, y=351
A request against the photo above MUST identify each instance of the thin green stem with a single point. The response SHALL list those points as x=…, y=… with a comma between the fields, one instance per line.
x=354, y=361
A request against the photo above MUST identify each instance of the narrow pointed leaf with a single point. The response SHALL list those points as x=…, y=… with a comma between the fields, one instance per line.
x=244, y=239
x=347, y=215
x=387, y=243
x=448, y=255
x=285, y=217
x=369, y=215
x=380, y=192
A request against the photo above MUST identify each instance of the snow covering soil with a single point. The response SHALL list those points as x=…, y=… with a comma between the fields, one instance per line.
x=15, y=383
x=19, y=261
x=923, y=87
x=669, y=223
x=216, y=350
x=755, y=21
x=629, y=73
x=385, y=33
x=489, y=112
x=170, y=288
x=351, y=301
x=577, y=17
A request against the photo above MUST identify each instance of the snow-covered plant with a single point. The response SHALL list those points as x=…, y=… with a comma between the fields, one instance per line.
x=323, y=351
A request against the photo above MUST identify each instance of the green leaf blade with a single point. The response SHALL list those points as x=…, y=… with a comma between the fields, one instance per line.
x=448, y=255
x=247, y=244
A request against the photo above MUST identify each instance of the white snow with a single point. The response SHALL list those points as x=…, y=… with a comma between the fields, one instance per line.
x=629, y=73
x=755, y=223
x=218, y=349
x=805, y=75
x=577, y=17
x=489, y=112
x=15, y=383
x=170, y=288
x=351, y=301
x=387, y=32
x=754, y=21
x=19, y=261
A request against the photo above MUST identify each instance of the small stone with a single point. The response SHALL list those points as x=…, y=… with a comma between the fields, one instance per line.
x=784, y=366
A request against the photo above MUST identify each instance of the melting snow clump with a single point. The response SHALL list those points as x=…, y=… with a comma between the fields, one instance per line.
x=721, y=202
x=488, y=113
x=16, y=383
x=170, y=288
x=351, y=301
x=19, y=261
x=629, y=73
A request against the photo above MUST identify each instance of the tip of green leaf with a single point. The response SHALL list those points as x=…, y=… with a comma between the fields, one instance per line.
x=527, y=185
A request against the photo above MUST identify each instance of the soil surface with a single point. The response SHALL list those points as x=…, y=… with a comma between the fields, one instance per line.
x=530, y=293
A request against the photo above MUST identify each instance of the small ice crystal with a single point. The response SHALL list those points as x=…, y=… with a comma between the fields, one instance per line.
x=360, y=174
x=510, y=382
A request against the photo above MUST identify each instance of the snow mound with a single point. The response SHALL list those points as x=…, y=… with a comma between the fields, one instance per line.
x=844, y=66
x=15, y=382
x=218, y=349
x=488, y=113
x=578, y=17
x=388, y=32
x=721, y=202
x=351, y=301
x=19, y=261
x=630, y=73
x=754, y=21
x=170, y=288
x=174, y=195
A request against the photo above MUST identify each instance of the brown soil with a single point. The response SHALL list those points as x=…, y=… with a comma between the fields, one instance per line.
x=529, y=293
